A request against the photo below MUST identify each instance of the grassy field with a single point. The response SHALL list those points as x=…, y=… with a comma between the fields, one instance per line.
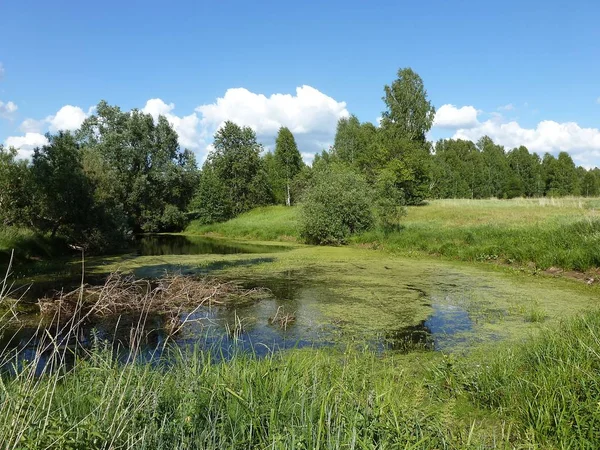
x=272, y=223
x=529, y=381
x=546, y=232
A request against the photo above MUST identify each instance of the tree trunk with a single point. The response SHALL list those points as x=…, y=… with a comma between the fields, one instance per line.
x=288, y=200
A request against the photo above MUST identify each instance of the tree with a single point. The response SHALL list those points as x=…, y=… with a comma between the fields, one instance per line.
x=336, y=205
x=589, y=183
x=495, y=166
x=560, y=174
x=404, y=125
x=527, y=168
x=349, y=143
x=288, y=159
x=15, y=189
x=62, y=193
x=151, y=179
x=409, y=114
x=233, y=178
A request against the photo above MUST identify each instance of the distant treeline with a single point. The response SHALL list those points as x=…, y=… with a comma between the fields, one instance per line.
x=123, y=173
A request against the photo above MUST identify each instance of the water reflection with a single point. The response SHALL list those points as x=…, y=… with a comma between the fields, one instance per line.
x=174, y=244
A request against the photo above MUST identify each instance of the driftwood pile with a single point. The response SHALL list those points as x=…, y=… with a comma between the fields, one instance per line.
x=125, y=294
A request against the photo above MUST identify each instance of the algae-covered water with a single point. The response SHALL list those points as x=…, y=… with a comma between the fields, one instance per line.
x=336, y=295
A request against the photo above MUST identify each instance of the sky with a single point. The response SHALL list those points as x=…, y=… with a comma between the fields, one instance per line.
x=522, y=72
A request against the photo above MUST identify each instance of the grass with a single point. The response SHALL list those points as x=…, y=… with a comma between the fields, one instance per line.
x=539, y=392
x=562, y=233
x=550, y=386
x=547, y=232
x=271, y=223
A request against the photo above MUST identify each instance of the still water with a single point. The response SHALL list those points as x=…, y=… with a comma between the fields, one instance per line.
x=249, y=327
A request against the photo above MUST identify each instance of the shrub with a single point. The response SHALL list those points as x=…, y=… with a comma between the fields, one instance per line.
x=336, y=205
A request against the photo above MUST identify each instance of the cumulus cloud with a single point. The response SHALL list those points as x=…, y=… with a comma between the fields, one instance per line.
x=548, y=136
x=449, y=116
x=186, y=126
x=26, y=144
x=32, y=126
x=68, y=118
x=7, y=109
x=310, y=114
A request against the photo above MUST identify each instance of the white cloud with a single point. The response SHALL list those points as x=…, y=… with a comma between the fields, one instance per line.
x=449, y=116
x=7, y=109
x=186, y=126
x=311, y=115
x=32, y=126
x=1, y=71
x=26, y=144
x=508, y=107
x=68, y=118
x=548, y=136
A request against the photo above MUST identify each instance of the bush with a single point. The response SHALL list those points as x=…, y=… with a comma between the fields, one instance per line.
x=336, y=205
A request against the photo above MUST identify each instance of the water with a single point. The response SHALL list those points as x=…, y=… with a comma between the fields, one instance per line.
x=320, y=314
x=172, y=244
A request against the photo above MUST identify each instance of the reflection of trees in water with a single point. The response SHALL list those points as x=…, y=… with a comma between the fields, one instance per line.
x=407, y=339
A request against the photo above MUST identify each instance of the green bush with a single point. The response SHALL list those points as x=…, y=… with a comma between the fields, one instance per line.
x=336, y=205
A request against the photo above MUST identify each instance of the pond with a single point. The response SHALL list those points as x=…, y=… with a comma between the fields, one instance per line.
x=333, y=296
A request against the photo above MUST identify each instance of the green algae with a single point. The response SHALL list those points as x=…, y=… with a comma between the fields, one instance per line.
x=366, y=293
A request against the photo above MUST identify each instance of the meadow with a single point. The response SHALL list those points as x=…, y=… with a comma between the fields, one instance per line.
x=542, y=233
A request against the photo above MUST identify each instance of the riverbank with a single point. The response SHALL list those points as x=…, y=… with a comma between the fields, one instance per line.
x=534, y=234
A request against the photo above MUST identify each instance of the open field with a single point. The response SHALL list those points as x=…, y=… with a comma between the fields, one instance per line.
x=544, y=232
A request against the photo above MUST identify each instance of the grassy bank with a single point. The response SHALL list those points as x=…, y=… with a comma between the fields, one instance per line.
x=562, y=233
x=28, y=245
x=546, y=232
x=540, y=394
x=272, y=223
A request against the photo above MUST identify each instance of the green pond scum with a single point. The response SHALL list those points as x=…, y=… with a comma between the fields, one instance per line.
x=367, y=292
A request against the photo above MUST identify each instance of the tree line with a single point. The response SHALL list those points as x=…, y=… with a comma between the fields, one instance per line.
x=123, y=172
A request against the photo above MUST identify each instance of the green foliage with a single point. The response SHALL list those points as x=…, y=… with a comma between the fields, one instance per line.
x=233, y=179
x=15, y=195
x=62, y=193
x=409, y=114
x=517, y=232
x=138, y=166
x=337, y=205
x=550, y=386
x=391, y=196
x=288, y=161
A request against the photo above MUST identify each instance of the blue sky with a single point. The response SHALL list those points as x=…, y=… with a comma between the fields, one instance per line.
x=523, y=72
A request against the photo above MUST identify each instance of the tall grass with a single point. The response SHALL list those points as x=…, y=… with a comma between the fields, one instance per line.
x=550, y=386
x=574, y=245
